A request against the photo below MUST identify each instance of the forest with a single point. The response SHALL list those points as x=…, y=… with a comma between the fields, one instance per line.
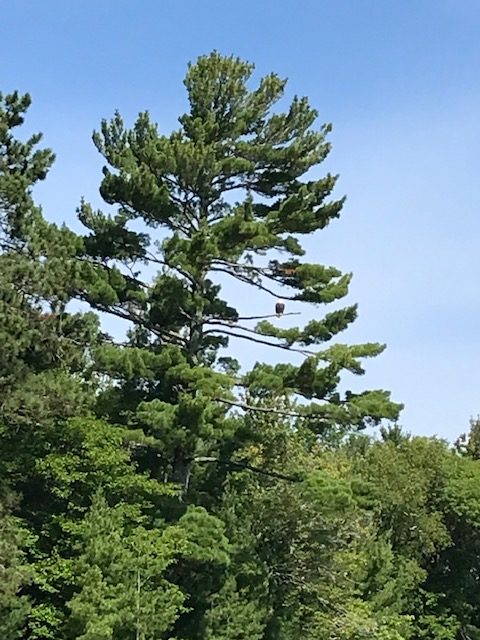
x=152, y=488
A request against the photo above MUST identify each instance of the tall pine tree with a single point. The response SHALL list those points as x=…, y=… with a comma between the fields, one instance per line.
x=227, y=193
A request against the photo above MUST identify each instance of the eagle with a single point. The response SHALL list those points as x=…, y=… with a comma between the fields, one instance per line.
x=279, y=307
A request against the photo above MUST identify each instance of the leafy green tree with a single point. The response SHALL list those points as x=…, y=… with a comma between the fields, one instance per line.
x=469, y=444
x=303, y=552
x=455, y=576
x=121, y=574
x=424, y=499
x=124, y=572
x=14, y=575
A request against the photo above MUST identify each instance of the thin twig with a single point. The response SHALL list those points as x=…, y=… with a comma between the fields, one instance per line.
x=247, y=280
x=267, y=272
x=271, y=315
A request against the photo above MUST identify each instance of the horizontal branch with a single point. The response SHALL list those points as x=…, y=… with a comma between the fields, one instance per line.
x=240, y=327
x=264, y=271
x=243, y=465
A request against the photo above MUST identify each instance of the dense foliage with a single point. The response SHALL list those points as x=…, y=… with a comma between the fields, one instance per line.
x=152, y=488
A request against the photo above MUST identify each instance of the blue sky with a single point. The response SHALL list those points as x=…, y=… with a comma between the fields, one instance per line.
x=400, y=83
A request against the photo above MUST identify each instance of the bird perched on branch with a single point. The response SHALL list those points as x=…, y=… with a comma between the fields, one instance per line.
x=279, y=307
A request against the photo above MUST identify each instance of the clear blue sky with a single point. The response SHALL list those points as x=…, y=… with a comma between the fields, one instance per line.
x=400, y=82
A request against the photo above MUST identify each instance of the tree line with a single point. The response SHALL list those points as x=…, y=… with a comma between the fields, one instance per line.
x=152, y=488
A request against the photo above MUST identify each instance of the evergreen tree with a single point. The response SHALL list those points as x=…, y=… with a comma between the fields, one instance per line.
x=53, y=454
x=224, y=194
x=43, y=347
x=22, y=165
x=42, y=358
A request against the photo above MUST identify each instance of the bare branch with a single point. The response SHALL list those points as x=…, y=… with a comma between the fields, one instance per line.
x=248, y=267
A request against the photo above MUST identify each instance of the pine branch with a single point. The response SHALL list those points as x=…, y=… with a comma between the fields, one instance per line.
x=169, y=223
x=182, y=204
x=132, y=317
x=246, y=329
x=185, y=274
x=247, y=280
x=104, y=265
x=286, y=347
x=239, y=382
x=266, y=272
x=279, y=412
